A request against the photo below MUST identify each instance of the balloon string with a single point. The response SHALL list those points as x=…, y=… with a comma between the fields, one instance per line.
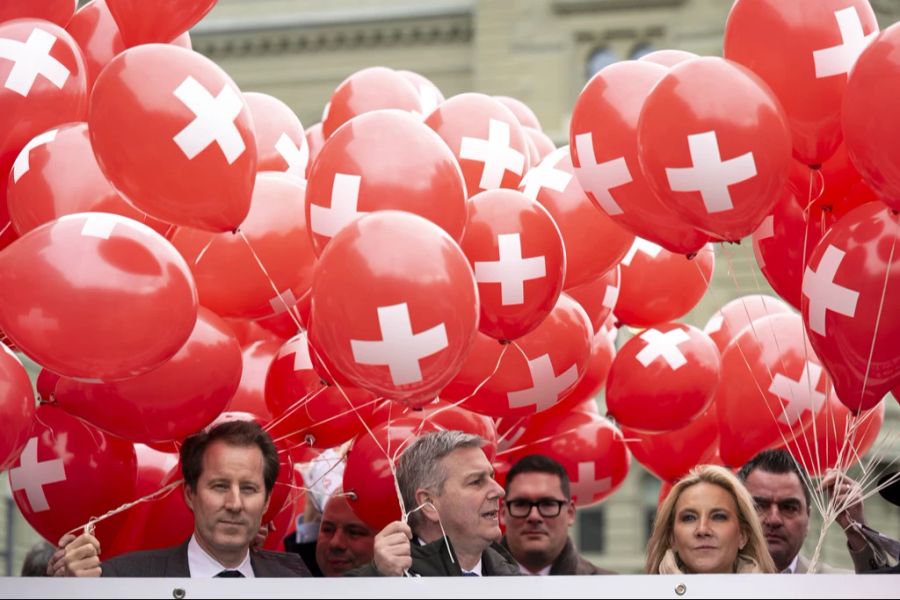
x=289, y=309
x=331, y=418
x=92, y=522
x=202, y=252
x=5, y=227
x=301, y=403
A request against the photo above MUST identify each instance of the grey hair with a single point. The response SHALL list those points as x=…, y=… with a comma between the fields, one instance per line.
x=419, y=465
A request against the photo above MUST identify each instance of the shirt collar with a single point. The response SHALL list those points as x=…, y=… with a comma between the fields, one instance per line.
x=202, y=565
x=476, y=569
x=792, y=568
x=524, y=571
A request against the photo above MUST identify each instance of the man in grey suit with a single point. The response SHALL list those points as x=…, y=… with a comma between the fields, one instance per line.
x=778, y=486
x=229, y=472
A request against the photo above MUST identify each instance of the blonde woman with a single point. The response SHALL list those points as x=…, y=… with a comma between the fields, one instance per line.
x=708, y=524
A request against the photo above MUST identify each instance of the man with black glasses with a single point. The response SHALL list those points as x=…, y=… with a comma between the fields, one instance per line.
x=538, y=512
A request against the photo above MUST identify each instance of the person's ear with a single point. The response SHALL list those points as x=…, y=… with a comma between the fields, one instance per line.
x=189, y=495
x=744, y=539
x=425, y=499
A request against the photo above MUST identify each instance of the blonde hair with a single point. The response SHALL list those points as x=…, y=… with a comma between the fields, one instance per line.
x=661, y=538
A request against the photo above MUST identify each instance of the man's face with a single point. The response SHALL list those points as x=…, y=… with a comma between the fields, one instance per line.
x=536, y=540
x=469, y=504
x=344, y=541
x=230, y=499
x=782, y=511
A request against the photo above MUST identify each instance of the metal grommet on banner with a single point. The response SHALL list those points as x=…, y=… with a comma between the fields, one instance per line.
x=680, y=589
x=179, y=593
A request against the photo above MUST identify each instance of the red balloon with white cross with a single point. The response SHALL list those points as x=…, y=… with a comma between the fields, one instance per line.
x=486, y=139
x=174, y=135
x=590, y=448
x=804, y=50
x=663, y=378
x=517, y=254
x=594, y=242
x=603, y=141
x=361, y=170
x=599, y=296
x=394, y=306
x=280, y=140
x=773, y=387
x=715, y=154
x=62, y=459
x=851, y=290
x=536, y=371
x=43, y=86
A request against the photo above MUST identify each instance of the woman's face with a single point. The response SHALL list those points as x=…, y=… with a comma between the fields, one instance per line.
x=707, y=534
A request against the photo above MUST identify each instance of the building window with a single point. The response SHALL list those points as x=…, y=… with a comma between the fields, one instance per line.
x=640, y=50
x=592, y=530
x=599, y=58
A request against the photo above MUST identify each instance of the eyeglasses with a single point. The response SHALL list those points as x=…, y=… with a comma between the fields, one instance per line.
x=547, y=507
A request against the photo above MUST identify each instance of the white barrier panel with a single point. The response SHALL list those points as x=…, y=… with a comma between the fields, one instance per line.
x=618, y=586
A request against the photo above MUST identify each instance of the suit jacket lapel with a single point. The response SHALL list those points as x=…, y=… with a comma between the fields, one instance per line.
x=177, y=562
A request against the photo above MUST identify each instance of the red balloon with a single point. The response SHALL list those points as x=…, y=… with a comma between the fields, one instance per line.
x=444, y=416
x=45, y=87
x=838, y=438
x=173, y=134
x=362, y=169
x=517, y=254
x=56, y=174
x=598, y=297
x=659, y=286
x=250, y=398
x=672, y=454
x=522, y=111
x=541, y=367
x=603, y=143
x=288, y=324
x=46, y=385
x=57, y=11
x=96, y=296
x=97, y=33
x=663, y=378
x=773, y=386
x=718, y=155
x=540, y=144
x=315, y=139
x=430, y=97
x=65, y=462
x=783, y=244
x=369, y=471
x=280, y=141
x=179, y=398
x=668, y=58
x=142, y=22
x=227, y=268
x=603, y=352
x=485, y=137
x=369, y=90
x=803, y=50
x=16, y=407
x=594, y=243
x=729, y=321
x=825, y=187
x=394, y=305
x=851, y=290
x=306, y=408
x=589, y=447
x=870, y=118
x=479, y=365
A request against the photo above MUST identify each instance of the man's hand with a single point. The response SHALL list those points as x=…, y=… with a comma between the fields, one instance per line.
x=846, y=494
x=392, y=549
x=80, y=556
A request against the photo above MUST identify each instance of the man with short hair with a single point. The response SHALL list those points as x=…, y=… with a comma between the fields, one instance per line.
x=783, y=502
x=537, y=513
x=447, y=484
x=344, y=541
x=229, y=473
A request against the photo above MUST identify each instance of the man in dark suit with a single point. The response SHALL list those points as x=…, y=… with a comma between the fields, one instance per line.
x=538, y=513
x=229, y=472
x=448, y=486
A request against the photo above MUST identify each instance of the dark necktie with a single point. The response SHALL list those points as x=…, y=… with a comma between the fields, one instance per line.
x=469, y=574
x=229, y=573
